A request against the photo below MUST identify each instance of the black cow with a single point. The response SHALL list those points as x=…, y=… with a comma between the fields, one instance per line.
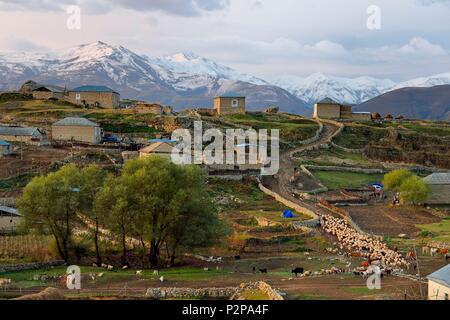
x=296, y=271
x=263, y=270
x=237, y=257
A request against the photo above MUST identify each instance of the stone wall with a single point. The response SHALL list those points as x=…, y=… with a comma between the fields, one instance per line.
x=108, y=100
x=30, y=266
x=347, y=169
x=316, y=136
x=177, y=293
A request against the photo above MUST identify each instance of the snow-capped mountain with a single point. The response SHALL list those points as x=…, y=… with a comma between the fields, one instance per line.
x=431, y=81
x=181, y=80
x=344, y=90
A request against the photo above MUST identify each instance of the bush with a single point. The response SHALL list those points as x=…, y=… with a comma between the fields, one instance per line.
x=394, y=179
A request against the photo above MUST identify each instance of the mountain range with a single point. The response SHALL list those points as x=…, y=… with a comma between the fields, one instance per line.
x=187, y=80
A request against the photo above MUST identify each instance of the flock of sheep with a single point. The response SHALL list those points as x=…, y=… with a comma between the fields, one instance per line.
x=364, y=246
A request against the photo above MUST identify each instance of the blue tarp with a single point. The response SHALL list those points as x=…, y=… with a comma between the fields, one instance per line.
x=287, y=214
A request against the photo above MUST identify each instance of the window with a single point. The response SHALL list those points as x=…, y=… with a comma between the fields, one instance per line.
x=77, y=96
x=235, y=103
x=446, y=296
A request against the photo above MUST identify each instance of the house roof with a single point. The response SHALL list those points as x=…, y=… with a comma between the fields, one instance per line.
x=93, y=89
x=327, y=101
x=230, y=95
x=4, y=143
x=75, y=121
x=49, y=88
x=158, y=147
x=442, y=276
x=438, y=179
x=17, y=131
x=9, y=210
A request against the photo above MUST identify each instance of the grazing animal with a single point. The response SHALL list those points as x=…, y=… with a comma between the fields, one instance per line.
x=443, y=251
x=95, y=265
x=110, y=267
x=155, y=272
x=263, y=270
x=254, y=269
x=161, y=279
x=5, y=282
x=434, y=251
x=425, y=250
x=104, y=266
x=125, y=267
x=101, y=274
x=139, y=272
x=297, y=271
x=237, y=257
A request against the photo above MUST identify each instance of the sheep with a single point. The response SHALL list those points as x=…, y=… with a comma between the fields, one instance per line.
x=155, y=272
x=125, y=267
x=104, y=266
x=139, y=272
x=110, y=268
x=100, y=275
x=161, y=279
x=263, y=270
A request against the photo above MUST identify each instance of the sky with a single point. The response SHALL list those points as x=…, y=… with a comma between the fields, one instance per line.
x=265, y=38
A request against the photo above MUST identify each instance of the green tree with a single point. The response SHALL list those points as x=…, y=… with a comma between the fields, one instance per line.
x=91, y=181
x=112, y=205
x=51, y=202
x=414, y=190
x=394, y=179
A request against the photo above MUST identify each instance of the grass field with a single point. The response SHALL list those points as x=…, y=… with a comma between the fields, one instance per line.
x=439, y=231
x=358, y=136
x=335, y=180
x=332, y=157
x=291, y=129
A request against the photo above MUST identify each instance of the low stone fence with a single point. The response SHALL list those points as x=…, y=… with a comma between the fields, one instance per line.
x=316, y=136
x=360, y=151
x=306, y=169
x=30, y=266
x=267, y=289
x=287, y=202
x=178, y=293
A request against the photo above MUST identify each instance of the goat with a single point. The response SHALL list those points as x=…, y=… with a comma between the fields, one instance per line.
x=296, y=271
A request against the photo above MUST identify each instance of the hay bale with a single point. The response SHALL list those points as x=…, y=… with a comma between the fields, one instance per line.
x=47, y=294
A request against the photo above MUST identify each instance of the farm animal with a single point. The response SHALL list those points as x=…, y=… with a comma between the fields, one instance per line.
x=95, y=265
x=104, y=266
x=365, y=264
x=425, y=250
x=161, y=279
x=237, y=257
x=443, y=251
x=155, y=272
x=110, y=268
x=93, y=276
x=296, y=271
x=433, y=251
x=139, y=272
x=100, y=275
x=125, y=267
x=263, y=270
x=5, y=282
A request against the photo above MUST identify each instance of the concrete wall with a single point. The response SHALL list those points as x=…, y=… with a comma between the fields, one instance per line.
x=327, y=111
x=224, y=106
x=437, y=291
x=8, y=223
x=5, y=150
x=107, y=100
x=77, y=133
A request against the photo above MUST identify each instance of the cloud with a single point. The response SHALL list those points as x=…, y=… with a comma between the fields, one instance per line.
x=14, y=44
x=187, y=8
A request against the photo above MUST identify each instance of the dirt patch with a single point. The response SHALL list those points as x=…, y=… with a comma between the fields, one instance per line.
x=390, y=221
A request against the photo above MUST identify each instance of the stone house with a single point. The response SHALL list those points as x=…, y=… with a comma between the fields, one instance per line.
x=31, y=136
x=330, y=109
x=9, y=219
x=77, y=129
x=157, y=109
x=5, y=148
x=229, y=104
x=48, y=92
x=158, y=148
x=439, y=184
x=94, y=96
x=439, y=284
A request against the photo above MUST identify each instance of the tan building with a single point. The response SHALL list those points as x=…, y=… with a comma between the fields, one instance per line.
x=31, y=136
x=158, y=148
x=77, y=129
x=48, y=92
x=94, y=96
x=9, y=219
x=5, y=148
x=439, y=184
x=157, y=109
x=330, y=109
x=439, y=284
x=229, y=104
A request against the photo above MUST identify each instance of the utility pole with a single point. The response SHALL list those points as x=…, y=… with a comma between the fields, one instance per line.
x=418, y=272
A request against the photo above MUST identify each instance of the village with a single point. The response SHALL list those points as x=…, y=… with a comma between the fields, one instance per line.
x=357, y=195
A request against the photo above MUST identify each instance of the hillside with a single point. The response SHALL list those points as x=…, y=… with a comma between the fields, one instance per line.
x=415, y=103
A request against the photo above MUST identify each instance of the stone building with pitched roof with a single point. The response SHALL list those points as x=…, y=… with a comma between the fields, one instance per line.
x=439, y=184
x=330, y=109
x=229, y=104
x=94, y=96
x=30, y=135
x=77, y=130
x=439, y=284
x=162, y=149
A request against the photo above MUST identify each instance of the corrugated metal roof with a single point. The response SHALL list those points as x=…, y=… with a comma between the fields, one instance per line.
x=17, y=131
x=93, y=89
x=4, y=143
x=441, y=276
x=75, y=121
x=327, y=101
x=51, y=88
x=438, y=178
x=9, y=210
